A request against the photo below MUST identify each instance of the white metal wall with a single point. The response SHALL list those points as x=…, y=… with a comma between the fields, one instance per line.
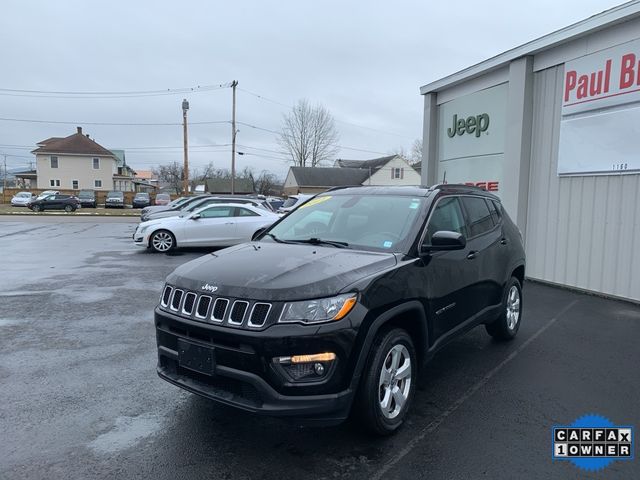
x=581, y=231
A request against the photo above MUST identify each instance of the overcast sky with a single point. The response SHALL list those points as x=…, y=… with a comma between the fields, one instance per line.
x=363, y=60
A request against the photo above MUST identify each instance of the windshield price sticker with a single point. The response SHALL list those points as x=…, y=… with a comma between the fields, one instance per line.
x=315, y=201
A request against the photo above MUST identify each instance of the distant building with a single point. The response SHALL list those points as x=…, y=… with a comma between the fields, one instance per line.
x=391, y=170
x=77, y=162
x=222, y=186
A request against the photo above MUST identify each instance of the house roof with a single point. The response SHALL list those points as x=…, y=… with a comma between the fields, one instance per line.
x=76, y=144
x=223, y=185
x=373, y=164
x=26, y=174
x=608, y=18
x=329, y=177
x=145, y=174
x=49, y=140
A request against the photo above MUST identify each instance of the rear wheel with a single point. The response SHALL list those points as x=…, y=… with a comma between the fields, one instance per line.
x=506, y=326
x=36, y=208
x=68, y=208
x=388, y=382
x=162, y=241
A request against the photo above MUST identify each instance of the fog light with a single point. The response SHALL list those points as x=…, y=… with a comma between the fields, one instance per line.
x=309, y=368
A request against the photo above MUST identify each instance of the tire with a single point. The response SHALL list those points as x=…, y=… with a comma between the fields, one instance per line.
x=68, y=208
x=381, y=384
x=506, y=326
x=162, y=241
x=36, y=208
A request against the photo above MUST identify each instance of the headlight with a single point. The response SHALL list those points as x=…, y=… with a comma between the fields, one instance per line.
x=142, y=229
x=318, y=310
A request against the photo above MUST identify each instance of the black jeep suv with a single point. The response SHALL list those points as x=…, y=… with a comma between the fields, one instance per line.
x=337, y=306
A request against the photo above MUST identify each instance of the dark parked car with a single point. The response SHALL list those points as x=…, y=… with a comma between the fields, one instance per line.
x=338, y=306
x=141, y=200
x=68, y=203
x=114, y=199
x=87, y=198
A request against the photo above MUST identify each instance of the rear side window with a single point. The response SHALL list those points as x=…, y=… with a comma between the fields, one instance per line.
x=479, y=216
x=495, y=211
x=245, y=212
x=447, y=216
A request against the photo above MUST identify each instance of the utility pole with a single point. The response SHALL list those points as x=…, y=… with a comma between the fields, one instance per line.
x=4, y=181
x=234, y=84
x=185, y=173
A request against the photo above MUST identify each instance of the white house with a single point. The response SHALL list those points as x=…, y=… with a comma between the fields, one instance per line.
x=77, y=162
x=391, y=170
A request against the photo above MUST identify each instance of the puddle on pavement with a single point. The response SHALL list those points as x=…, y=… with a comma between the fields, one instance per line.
x=126, y=433
x=7, y=322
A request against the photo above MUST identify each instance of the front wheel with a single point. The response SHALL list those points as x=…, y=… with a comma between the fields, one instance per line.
x=506, y=326
x=388, y=382
x=36, y=208
x=162, y=241
x=68, y=208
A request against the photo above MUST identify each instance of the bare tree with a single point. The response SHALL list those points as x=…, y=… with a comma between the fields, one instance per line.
x=309, y=135
x=415, y=154
x=200, y=175
x=267, y=184
x=171, y=175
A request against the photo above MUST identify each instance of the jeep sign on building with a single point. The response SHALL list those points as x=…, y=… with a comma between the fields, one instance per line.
x=553, y=128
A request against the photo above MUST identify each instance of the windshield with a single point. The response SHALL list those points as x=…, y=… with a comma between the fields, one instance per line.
x=23, y=195
x=378, y=222
x=85, y=194
x=289, y=202
x=115, y=195
x=142, y=195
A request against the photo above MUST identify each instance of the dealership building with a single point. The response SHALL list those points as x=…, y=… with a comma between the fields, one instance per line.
x=553, y=128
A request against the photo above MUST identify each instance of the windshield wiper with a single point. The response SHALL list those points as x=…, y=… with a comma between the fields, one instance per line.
x=276, y=238
x=319, y=241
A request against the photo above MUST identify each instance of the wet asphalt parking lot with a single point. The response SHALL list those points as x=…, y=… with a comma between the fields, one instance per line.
x=79, y=396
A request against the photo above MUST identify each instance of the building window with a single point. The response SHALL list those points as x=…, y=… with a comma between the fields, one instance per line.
x=54, y=183
x=96, y=164
x=74, y=184
x=397, y=173
x=97, y=183
x=54, y=162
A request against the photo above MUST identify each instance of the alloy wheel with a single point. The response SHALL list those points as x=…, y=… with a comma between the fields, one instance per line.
x=162, y=241
x=513, y=307
x=395, y=381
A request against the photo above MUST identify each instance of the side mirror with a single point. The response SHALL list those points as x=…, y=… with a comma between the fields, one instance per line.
x=195, y=216
x=444, y=240
x=257, y=234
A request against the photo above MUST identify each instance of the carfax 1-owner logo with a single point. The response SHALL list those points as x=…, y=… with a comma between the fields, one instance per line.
x=592, y=442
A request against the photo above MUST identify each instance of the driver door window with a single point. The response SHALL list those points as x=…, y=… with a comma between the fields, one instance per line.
x=217, y=212
x=448, y=216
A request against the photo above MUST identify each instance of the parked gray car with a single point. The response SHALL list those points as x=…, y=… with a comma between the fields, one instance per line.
x=203, y=202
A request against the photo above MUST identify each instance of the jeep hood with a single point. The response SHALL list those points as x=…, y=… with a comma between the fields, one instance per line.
x=279, y=272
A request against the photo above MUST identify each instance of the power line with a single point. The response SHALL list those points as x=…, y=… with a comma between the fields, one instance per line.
x=60, y=122
x=262, y=97
x=114, y=94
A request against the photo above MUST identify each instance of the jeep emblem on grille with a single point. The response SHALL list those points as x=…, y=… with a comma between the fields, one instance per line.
x=209, y=288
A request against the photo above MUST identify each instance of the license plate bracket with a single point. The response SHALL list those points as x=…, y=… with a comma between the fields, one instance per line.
x=196, y=357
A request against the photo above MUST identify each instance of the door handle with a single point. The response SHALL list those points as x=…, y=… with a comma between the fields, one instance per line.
x=471, y=255
x=503, y=241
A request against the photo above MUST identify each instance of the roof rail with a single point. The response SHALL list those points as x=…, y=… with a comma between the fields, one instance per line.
x=332, y=189
x=458, y=185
